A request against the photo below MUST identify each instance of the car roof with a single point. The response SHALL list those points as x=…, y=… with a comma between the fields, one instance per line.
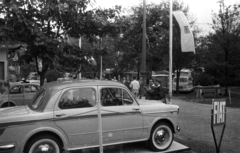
x=19, y=83
x=156, y=75
x=58, y=85
x=183, y=76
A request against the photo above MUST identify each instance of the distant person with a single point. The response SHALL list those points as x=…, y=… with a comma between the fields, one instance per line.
x=126, y=82
x=135, y=85
x=141, y=88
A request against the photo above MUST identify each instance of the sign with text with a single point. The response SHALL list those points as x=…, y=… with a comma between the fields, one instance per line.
x=218, y=112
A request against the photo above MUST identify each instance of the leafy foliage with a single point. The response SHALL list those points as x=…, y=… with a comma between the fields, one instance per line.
x=220, y=49
x=43, y=25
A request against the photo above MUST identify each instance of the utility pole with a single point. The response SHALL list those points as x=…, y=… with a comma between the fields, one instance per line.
x=170, y=52
x=144, y=72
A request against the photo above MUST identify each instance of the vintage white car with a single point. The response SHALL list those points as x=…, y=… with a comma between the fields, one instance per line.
x=18, y=94
x=64, y=116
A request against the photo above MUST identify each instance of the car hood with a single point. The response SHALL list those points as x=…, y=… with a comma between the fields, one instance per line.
x=13, y=111
x=150, y=106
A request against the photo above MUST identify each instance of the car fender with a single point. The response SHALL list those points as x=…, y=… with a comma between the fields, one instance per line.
x=58, y=132
x=165, y=119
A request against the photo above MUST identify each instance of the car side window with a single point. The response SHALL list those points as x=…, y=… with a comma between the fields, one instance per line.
x=127, y=99
x=16, y=90
x=78, y=98
x=27, y=89
x=115, y=97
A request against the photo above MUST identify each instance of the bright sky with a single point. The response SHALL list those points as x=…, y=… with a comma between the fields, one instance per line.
x=202, y=9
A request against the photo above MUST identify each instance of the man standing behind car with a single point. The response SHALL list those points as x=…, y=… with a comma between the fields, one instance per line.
x=135, y=85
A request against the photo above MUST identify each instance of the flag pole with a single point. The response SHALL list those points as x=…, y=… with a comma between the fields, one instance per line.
x=170, y=53
x=100, y=60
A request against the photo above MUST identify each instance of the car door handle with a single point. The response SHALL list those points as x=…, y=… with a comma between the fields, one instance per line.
x=60, y=115
x=136, y=109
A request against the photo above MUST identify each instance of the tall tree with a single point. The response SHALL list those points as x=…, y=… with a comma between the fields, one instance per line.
x=224, y=42
x=157, y=38
x=43, y=25
x=39, y=24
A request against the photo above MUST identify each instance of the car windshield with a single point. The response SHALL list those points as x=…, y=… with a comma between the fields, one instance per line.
x=37, y=99
x=183, y=80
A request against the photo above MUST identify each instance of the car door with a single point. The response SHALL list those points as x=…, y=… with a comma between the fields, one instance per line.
x=16, y=94
x=76, y=115
x=121, y=119
x=29, y=92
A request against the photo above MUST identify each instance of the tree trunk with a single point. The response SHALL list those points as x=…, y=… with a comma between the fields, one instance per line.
x=42, y=78
x=226, y=80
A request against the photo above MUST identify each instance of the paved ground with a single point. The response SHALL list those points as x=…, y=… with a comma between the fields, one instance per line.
x=139, y=147
x=195, y=122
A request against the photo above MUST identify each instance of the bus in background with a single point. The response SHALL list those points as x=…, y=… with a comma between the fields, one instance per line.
x=185, y=81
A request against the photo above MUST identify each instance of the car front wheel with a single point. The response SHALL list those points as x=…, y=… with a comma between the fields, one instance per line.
x=161, y=137
x=44, y=144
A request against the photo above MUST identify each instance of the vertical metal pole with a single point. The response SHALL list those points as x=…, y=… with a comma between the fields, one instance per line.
x=170, y=52
x=101, y=68
x=100, y=127
x=144, y=73
x=101, y=59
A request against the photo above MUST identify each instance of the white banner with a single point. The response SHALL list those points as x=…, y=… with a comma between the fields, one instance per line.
x=187, y=40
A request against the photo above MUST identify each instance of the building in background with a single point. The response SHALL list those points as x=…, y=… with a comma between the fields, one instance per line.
x=3, y=63
x=9, y=59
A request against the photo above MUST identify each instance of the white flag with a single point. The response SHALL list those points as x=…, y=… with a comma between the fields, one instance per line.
x=187, y=40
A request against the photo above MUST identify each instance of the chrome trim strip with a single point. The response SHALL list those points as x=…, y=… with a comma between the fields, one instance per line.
x=160, y=112
x=109, y=144
x=7, y=147
x=127, y=129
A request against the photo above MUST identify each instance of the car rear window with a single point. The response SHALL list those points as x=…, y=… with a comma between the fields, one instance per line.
x=38, y=98
x=78, y=98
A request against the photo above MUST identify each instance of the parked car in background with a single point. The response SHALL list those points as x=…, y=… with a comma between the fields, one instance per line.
x=18, y=94
x=185, y=81
x=185, y=84
x=64, y=116
x=35, y=82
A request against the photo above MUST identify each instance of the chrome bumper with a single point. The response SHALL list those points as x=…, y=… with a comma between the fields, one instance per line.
x=7, y=147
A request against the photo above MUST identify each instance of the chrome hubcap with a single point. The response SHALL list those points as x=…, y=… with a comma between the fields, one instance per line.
x=44, y=148
x=160, y=136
